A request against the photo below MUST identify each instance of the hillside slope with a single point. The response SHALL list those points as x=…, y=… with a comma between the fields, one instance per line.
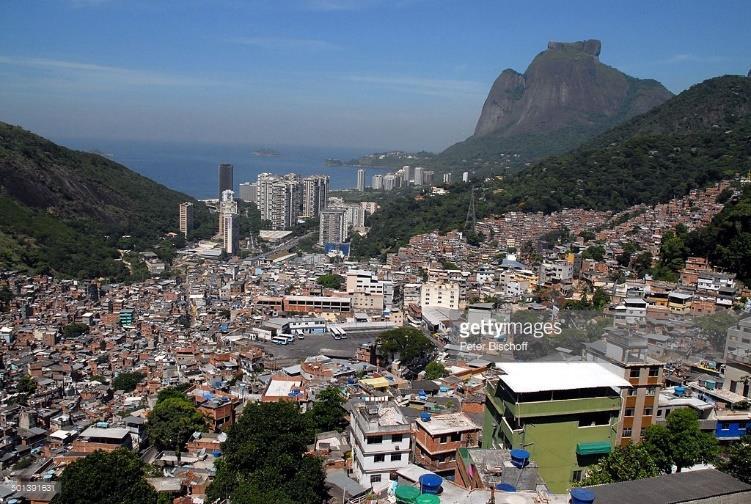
x=66, y=210
x=565, y=97
x=696, y=138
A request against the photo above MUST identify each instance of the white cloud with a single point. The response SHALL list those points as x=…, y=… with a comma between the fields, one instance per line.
x=421, y=85
x=693, y=58
x=126, y=76
x=284, y=43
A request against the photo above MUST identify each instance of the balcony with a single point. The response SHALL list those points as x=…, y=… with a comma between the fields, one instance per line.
x=564, y=407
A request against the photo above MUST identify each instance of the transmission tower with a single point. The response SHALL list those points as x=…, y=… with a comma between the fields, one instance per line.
x=471, y=221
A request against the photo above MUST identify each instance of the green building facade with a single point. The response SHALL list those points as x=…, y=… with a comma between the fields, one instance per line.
x=564, y=430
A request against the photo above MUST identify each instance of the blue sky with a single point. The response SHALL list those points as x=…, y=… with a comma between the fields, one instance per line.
x=405, y=74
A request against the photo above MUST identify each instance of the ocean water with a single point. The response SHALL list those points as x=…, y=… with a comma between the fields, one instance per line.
x=192, y=168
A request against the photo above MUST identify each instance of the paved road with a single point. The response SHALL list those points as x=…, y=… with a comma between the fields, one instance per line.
x=312, y=344
x=283, y=246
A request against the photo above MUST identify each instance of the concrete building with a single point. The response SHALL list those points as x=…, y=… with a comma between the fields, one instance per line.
x=279, y=199
x=367, y=282
x=409, y=174
x=377, y=182
x=438, y=437
x=315, y=193
x=186, y=218
x=738, y=341
x=465, y=176
x=230, y=233
x=441, y=294
x=418, y=175
x=332, y=226
x=427, y=177
x=225, y=178
x=249, y=192
x=389, y=182
x=447, y=178
x=361, y=179
x=564, y=413
x=627, y=357
x=227, y=206
x=381, y=443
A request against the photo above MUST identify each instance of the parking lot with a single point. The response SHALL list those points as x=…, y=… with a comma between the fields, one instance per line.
x=312, y=345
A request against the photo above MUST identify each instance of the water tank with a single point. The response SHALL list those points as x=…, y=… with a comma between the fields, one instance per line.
x=710, y=384
x=430, y=483
x=505, y=487
x=443, y=388
x=519, y=458
x=425, y=416
x=428, y=499
x=582, y=496
x=217, y=453
x=679, y=391
x=102, y=425
x=406, y=494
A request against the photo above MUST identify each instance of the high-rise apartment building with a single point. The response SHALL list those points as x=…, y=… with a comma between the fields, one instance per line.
x=315, y=192
x=409, y=174
x=227, y=205
x=249, y=192
x=361, y=179
x=230, y=233
x=186, y=218
x=226, y=181
x=389, y=182
x=427, y=177
x=447, y=178
x=465, y=176
x=279, y=199
x=377, y=182
x=332, y=226
x=418, y=175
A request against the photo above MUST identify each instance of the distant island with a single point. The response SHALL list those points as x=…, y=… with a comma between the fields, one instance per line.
x=332, y=162
x=391, y=159
x=266, y=153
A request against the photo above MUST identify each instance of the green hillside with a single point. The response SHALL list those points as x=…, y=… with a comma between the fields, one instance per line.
x=67, y=211
x=696, y=138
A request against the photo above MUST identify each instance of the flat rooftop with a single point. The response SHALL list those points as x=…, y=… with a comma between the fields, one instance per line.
x=523, y=377
x=448, y=423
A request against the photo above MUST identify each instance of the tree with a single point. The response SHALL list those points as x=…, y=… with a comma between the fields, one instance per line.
x=596, y=252
x=410, y=345
x=330, y=281
x=680, y=442
x=75, y=330
x=264, y=458
x=106, y=478
x=435, y=370
x=673, y=253
x=600, y=299
x=737, y=463
x=6, y=296
x=327, y=412
x=642, y=264
x=127, y=382
x=627, y=463
x=173, y=420
x=27, y=385
x=715, y=327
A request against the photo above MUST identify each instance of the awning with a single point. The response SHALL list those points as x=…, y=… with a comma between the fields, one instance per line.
x=596, y=448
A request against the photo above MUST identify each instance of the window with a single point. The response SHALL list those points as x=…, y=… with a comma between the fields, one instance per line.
x=651, y=390
x=629, y=412
x=396, y=456
x=577, y=475
x=443, y=439
x=396, y=438
x=375, y=478
x=379, y=458
x=659, y=412
x=375, y=439
x=456, y=436
x=635, y=373
x=654, y=371
x=627, y=432
x=632, y=391
x=647, y=411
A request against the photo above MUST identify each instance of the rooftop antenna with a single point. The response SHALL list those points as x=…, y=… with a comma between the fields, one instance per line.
x=471, y=220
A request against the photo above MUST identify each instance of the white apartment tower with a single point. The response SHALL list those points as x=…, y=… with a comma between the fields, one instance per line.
x=227, y=205
x=377, y=182
x=279, y=199
x=361, y=179
x=418, y=175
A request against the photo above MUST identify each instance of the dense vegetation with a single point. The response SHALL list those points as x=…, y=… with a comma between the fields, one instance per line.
x=696, y=138
x=127, y=382
x=117, y=477
x=409, y=345
x=263, y=459
x=173, y=420
x=67, y=211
